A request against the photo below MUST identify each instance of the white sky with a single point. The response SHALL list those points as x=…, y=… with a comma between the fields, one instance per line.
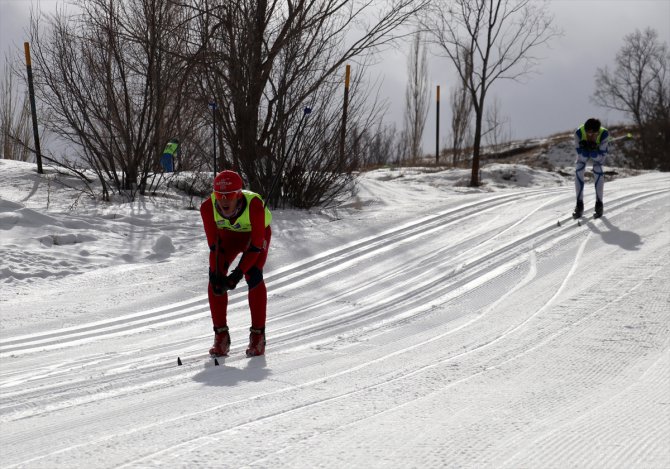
x=556, y=100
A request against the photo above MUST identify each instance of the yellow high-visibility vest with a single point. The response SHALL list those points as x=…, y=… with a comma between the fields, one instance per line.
x=243, y=222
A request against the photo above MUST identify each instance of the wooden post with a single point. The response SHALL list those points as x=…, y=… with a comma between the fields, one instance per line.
x=344, y=112
x=33, y=110
x=437, y=128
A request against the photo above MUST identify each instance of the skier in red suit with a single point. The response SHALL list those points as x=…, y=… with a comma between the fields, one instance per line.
x=236, y=221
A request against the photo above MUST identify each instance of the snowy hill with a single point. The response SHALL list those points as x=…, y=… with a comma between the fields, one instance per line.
x=421, y=323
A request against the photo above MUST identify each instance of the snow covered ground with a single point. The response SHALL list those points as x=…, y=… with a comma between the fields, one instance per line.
x=421, y=323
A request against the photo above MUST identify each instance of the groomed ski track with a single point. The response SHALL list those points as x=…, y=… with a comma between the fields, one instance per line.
x=485, y=334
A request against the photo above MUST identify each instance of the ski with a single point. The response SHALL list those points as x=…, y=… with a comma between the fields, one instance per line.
x=211, y=360
x=562, y=222
x=580, y=220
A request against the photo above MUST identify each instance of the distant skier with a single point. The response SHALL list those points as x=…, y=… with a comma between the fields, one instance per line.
x=236, y=222
x=591, y=141
x=169, y=155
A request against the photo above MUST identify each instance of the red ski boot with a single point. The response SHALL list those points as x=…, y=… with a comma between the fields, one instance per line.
x=221, y=345
x=256, y=342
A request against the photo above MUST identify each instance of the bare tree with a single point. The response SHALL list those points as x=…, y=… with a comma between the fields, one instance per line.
x=115, y=83
x=15, y=128
x=640, y=87
x=497, y=127
x=384, y=146
x=316, y=171
x=461, y=116
x=266, y=60
x=488, y=40
x=417, y=95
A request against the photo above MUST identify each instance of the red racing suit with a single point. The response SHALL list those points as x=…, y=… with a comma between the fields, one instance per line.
x=248, y=234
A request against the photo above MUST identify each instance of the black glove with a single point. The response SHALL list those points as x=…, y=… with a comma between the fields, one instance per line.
x=233, y=279
x=218, y=282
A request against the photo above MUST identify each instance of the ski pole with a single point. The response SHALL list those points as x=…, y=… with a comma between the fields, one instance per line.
x=306, y=112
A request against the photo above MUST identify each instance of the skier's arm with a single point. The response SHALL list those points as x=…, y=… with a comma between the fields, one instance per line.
x=257, y=217
x=207, y=215
x=604, y=143
x=579, y=145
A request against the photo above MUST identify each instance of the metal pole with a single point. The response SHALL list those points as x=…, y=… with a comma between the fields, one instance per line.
x=31, y=93
x=437, y=128
x=212, y=106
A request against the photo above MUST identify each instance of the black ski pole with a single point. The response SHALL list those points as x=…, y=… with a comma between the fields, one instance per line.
x=306, y=112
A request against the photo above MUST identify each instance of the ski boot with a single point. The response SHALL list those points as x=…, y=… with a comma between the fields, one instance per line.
x=579, y=209
x=256, y=342
x=598, y=210
x=221, y=345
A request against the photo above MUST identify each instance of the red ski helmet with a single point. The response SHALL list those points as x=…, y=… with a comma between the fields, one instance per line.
x=228, y=185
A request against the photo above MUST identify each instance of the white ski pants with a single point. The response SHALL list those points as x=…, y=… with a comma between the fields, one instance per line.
x=598, y=174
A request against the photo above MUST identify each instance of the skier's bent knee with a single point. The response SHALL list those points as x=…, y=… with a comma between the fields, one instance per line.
x=254, y=277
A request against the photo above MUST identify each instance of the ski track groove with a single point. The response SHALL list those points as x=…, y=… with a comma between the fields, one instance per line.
x=142, y=320
x=538, y=238
x=301, y=270
x=147, y=319
x=198, y=443
x=327, y=327
x=66, y=370
x=576, y=452
x=343, y=321
x=190, y=446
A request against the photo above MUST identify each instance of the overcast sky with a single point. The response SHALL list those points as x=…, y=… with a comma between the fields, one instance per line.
x=557, y=100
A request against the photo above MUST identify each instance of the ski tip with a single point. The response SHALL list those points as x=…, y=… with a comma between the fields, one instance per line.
x=216, y=362
x=178, y=361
